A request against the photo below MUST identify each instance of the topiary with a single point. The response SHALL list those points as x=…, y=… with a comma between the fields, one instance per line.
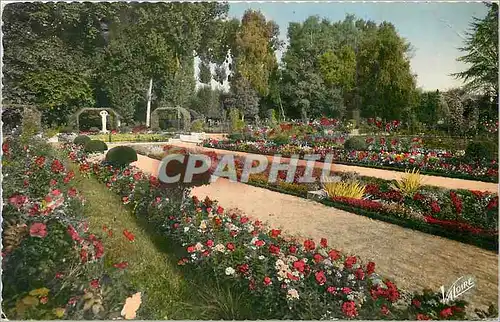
x=481, y=150
x=121, y=156
x=355, y=143
x=95, y=146
x=81, y=140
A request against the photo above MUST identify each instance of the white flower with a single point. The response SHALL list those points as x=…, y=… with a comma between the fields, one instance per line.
x=292, y=294
x=350, y=297
x=203, y=225
x=199, y=246
x=351, y=276
x=262, y=257
x=186, y=229
x=220, y=248
x=230, y=271
x=250, y=228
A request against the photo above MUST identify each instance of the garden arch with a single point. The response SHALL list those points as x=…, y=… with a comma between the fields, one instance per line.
x=84, y=109
x=186, y=116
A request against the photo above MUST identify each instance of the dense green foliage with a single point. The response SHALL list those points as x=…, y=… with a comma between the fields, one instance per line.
x=95, y=146
x=81, y=140
x=64, y=56
x=121, y=155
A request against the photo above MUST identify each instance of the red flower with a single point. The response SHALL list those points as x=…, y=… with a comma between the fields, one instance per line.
x=349, y=309
x=73, y=233
x=360, y=275
x=435, y=207
x=259, y=243
x=72, y=192
x=309, y=245
x=292, y=249
x=230, y=246
x=210, y=243
x=370, y=268
x=267, y=280
x=220, y=210
x=275, y=233
x=84, y=255
x=457, y=203
x=5, y=148
x=334, y=254
x=299, y=265
x=40, y=161
x=59, y=275
x=121, y=265
x=191, y=249
x=99, y=249
x=351, y=260
x=56, y=166
x=422, y=317
x=317, y=258
x=493, y=204
x=384, y=309
x=244, y=220
x=331, y=290
x=320, y=277
x=273, y=249
x=44, y=300
x=243, y=268
x=18, y=200
x=128, y=235
x=324, y=242
x=94, y=283
x=416, y=303
x=346, y=290
x=446, y=312
x=38, y=230
x=418, y=197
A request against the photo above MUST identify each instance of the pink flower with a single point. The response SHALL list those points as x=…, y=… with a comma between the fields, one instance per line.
x=94, y=283
x=38, y=230
x=267, y=281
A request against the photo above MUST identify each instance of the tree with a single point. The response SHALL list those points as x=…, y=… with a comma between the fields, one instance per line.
x=481, y=47
x=205, y=75
x=254, y=50
x=386, y=84
x=243, y=97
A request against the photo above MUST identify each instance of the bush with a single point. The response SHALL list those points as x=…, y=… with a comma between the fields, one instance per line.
x=95, y=146
x=236, y=136
x=197, y=126
x=481, y=150
x=67, y=129
x=81, y=140
x=355, y=143
x=121, y=155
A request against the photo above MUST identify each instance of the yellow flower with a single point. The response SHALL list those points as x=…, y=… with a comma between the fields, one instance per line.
x=40, y=292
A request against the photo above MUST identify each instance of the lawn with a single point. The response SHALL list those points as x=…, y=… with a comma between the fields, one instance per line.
x=169, y=292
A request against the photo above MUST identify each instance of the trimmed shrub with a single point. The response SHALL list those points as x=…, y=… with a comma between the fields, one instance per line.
x=81, y=140
x=197, y=125
x=481, y=150
x=121, y=155
x=95, y=146
x=355, y=143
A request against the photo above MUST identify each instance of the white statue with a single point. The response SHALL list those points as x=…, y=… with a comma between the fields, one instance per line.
x=103, y=118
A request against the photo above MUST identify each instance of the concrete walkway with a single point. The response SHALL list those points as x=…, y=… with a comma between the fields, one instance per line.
x=414, y=260
x=449, y=183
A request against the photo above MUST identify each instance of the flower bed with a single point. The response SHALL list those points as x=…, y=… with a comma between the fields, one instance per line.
x=467, y=216
x=440, y=163
x=52, y=264
x=286, y=279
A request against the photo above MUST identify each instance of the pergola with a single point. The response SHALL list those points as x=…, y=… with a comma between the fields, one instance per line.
x=84, y=109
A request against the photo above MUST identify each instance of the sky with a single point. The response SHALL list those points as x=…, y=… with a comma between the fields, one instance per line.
x=435, y=30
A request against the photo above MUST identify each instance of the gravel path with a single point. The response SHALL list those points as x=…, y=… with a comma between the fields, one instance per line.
x=414, y=260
